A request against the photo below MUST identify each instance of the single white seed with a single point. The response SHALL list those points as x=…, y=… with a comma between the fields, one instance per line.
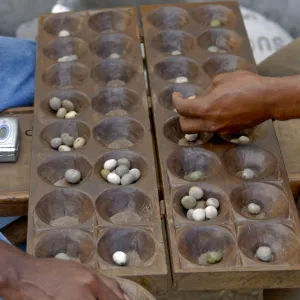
x=114, y=56
x=122, y=170
x=73, y=176
x=110, y=164
x=55, y=143
x=264, y=254
x=71, y=114
x=55, y=103
x=68, y=58
x=64, y=148
x=254, y=209
x=136, y=173
x=196, y=192
x=62, y=256
x=68, y=140
x=189, y=214
x=199, y=214
x=191, y=137
x=243, y=140
x=176, y=52
x=213, y=202
x=181, y=79
x=124, y=161
x=248, y=174
x=79, y=143
x=213, y=49
x=64, y=33
x=127, y=179
x=68, y=105
x=113, y=178
x=61, y=113
x=192, y=97
x=211, y=212
x=120, y=258
x=188, y=202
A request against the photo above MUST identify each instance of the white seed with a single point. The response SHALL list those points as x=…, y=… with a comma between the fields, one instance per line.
x=64, y=33
x=189, y=214
x=211, y=212
x=55, y=103
x=194, y=176
x=201, y=204
x=122, y=170
x=55, y=143
x=61, y=113
x=191, y=137
x=79, y=143
x=264, y=254
x=243, y=140
x=127, y=179
x=213, y=202
x=199, y=214
x=62, y=256
x=248, y=174
x=110, y=164
x=114, y=56
x=254, y=209
x=192, y=97
x=68, y=58
x=175, y=110
x=73, y=176
x=64, y=135
x=213, y=49
x=124, y=161
x=181, y=79
x=136, y=173
x=64, y=148
x=188, y=202
x=196, y=192
x=71, y=114
x=176, y=52
x=120, y=258
x=68, y=105
x=113, y=178
x=68, y=140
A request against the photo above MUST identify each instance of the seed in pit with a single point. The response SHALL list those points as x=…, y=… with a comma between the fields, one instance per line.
x=116, y=82
x=79, y=143
x=68, y=58
x=188, y=202
x=55, y=143
x=264, y=254
x=61, y=113
x=254, y=209
x=176, y=52
x=68, y=105
x=64, y=148
x=243, y=140
x=213, y=202
x=73, y=176
x=194, y=176
x=124, y=161
x=127, y=179
x=181, y=79
x=136, y=173
x=120, y=258
x=62, y=256
x=213, y=49
x=199, y=214
x=191, y=137
x=248, y=174
x=64, y=33
x=114, y=56
x=122, y=170
x=211, y=212
x=214, y=257
x=71, y=114
x=68, y=140
x=215, y=23
x=192, y=97
x=189, y=214
x=196, y=192
x=201, y=204
x=110, y=164
x=113, y=178
x=55, y=103
x=104, y=173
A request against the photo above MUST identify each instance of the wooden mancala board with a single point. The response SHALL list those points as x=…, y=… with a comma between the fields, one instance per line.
x=188, y=28
x=110, y=96
x=111, y=101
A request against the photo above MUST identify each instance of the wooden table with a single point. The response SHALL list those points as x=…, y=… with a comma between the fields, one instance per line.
x=14, y=186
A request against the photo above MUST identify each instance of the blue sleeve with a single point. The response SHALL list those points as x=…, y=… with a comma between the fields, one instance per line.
x=17, y=68
x=3, y=238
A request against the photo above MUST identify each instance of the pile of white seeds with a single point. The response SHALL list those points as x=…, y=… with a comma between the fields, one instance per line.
x=120, y=172
x=65, y=109
x=66, y=142
x=197, y=208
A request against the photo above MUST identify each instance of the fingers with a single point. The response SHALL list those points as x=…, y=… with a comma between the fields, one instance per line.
x=195, y=125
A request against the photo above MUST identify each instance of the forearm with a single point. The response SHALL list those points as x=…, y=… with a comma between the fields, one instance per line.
x=283, y=97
